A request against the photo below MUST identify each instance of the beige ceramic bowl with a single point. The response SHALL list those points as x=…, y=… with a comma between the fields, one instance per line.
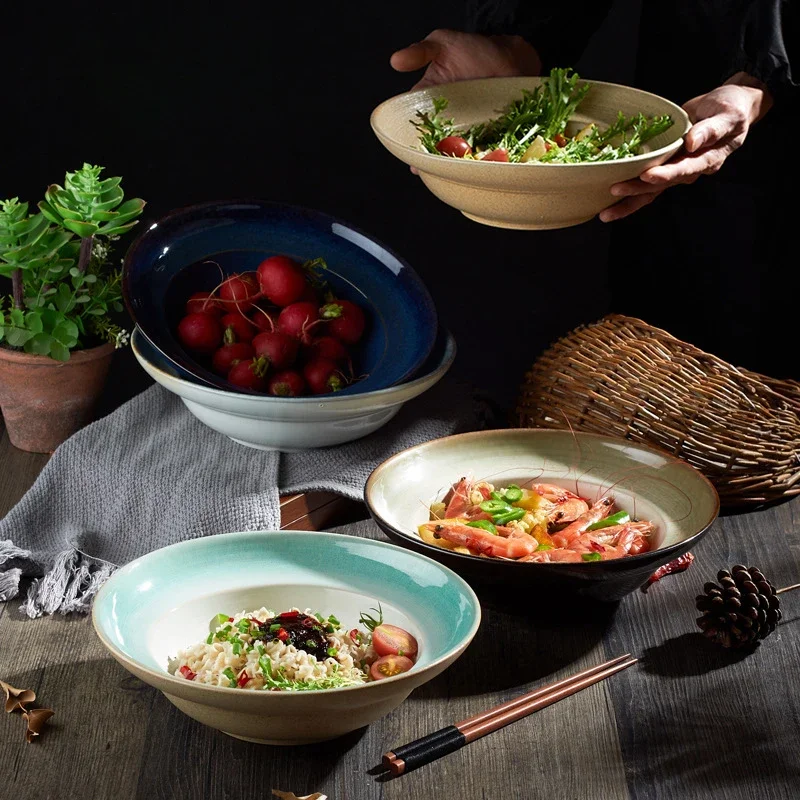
x=527, y=196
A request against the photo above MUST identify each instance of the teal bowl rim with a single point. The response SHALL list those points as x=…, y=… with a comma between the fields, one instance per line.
x=617, y=564
x=225, y=690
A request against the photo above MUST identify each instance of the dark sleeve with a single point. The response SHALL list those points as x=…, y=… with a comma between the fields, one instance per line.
x=766, y=45
x=559, y=33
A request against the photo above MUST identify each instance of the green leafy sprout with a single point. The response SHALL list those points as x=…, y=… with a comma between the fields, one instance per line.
x=545, y=112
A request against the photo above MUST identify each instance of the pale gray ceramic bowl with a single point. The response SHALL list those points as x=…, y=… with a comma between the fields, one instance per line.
x=676, y=497
x=529, y=196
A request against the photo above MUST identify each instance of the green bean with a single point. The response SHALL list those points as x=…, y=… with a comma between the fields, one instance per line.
x=509, y=516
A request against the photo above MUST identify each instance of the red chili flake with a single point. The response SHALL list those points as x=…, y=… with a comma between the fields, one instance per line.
x=187, y=673
x=598, y=548
x=242, y=680
x=289, y=615
x=678, y=565
x=283, y=634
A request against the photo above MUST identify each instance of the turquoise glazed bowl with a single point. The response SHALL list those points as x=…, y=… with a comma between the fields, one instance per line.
x=647, y=483
x=165, y=601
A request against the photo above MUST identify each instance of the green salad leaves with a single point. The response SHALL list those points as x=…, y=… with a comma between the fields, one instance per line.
x=534, y=128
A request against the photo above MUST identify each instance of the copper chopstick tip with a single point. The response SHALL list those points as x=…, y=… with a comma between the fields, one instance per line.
x=397, y=767
x=387, y=759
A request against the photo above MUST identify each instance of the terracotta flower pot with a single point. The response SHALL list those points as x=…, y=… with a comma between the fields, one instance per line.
x=45, y=401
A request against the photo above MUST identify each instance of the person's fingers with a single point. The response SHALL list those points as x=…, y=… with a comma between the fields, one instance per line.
x=707, y=132
x=633, y=188
x=683, y=169
x=415, y=56
x=626, y=207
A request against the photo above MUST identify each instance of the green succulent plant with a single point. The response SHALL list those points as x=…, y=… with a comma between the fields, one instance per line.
x=86, y=205
x=64, y=287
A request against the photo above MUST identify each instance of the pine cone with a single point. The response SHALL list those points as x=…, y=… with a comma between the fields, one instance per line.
x=742, y=609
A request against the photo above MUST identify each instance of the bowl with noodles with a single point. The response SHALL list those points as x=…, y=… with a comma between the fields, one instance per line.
x=543, y=509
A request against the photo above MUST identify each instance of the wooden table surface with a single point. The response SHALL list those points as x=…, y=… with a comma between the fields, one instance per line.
x=689, y=721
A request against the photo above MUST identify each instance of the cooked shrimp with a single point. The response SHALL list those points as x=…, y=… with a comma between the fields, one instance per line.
x=563, y=505
x=600, y=510
x=457, y=499
x=481, y=542
x=616, y=541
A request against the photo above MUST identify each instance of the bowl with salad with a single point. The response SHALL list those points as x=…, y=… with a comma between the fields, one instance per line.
x=529, y=153
x=285, y=637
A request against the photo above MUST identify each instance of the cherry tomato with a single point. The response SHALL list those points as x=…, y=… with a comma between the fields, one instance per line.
x=501, y=154
x=560, y=139
x=389, y=666
x=389, y=640
x=454, y=146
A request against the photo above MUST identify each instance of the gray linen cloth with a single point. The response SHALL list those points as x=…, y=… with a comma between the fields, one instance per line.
x=150, y=474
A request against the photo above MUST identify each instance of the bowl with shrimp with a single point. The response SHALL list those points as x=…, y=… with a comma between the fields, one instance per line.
x=544, y=509
x=518, y=153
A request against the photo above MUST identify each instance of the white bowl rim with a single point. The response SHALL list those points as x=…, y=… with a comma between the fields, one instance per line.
x=165, y=675
x=617, y=563
x=333, y=399
x=426, y=156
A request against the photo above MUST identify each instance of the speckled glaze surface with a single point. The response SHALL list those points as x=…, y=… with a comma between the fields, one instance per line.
x=188, y=250
x=526, y=196
x=648, y=484
x=292, y=423
x=164, y=601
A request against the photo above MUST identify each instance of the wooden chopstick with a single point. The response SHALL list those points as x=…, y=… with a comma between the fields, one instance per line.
x=453, y=737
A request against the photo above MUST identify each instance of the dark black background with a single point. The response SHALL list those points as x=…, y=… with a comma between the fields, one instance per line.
x=200, y=101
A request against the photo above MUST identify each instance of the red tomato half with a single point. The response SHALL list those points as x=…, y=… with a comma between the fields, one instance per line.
x=500, y=154
x=389, y=640
x=389, y=666
x=453, y=146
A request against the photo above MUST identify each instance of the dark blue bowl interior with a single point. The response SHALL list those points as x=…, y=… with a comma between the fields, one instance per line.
x=165, y=266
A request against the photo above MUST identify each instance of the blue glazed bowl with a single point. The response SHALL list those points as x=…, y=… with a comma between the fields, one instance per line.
x=164, y=267
x=164, y=601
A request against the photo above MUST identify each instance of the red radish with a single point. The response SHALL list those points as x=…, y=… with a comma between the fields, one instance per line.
x=328, y=347
x=278, y=348
x=323, y=376
x=347, y=320
x=230, y=354
x=281, y=279
x=309, y=295
x=203, y=302
x=287, y=384
x=239, y=291
x=263, y=320
x=201, y=333
x=500, y=154
x=243, y=329
x=249, y=374
x=297, y=319
x=454, y=146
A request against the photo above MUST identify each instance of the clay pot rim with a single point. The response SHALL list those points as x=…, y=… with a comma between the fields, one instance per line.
x=76, y=356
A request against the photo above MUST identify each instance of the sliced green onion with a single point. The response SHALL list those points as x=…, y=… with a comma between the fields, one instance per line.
x=544, y=547
x=484, y=524
x=495, y=507
x=276, y=626
x=332, y=651
x=620, y=518
x=310, y=643
x=497, y=496
x=210, y=638
x=220, y=619
x=244, y=625
x=228, y=673
x=591, y=557
x=513, y=493
x=333, y=620
x=509, y=516
x=261, y=649
x=237, y=647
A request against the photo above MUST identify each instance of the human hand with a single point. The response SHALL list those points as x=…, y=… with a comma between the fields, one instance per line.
x=456, y=56
x=721, y=120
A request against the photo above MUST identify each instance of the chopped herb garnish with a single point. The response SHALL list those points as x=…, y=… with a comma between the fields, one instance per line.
x=220, y=619
x=276, y=626
x=237, y=646
x=244, y=625
x=370, y=622
x=210, y=638
x=332, y=652
x=228, y=673
x=333, y=620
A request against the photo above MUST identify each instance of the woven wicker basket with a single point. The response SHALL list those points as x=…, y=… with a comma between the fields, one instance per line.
x=623, y=377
